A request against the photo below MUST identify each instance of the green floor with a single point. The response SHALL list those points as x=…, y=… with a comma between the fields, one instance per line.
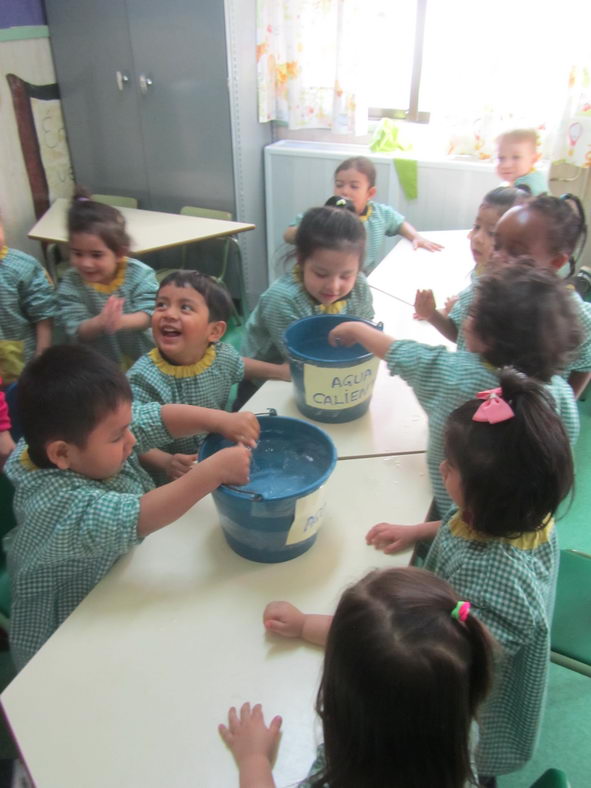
x=565, y=742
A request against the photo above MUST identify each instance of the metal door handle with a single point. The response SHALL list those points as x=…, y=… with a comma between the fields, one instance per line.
x=122, y=79
x=145, y=83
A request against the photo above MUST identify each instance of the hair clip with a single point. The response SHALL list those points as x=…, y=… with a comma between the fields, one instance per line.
x=494, y=409
x=461, y=610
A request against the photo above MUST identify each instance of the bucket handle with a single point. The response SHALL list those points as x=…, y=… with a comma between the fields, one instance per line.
x=254, y=496
x=269, y=412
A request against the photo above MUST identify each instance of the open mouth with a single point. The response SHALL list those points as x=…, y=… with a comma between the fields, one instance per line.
x=169, y=332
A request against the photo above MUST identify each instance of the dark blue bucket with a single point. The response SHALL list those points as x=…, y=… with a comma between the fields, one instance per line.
x=276, y=516
x=332, y=384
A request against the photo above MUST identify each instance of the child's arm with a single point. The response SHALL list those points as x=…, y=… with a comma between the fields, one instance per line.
x=252, y=744
x=425, y=309
x=392, y=538
x=134, y=321
x=418, y=242
x=43, y=335
x=289, y=235
x=578, y=381
x=253, y=368
x=372, y=339
x=106, y=322
x=286, y=620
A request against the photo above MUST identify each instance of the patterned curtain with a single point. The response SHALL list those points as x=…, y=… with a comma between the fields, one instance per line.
x=312, y=64
x=573, y=139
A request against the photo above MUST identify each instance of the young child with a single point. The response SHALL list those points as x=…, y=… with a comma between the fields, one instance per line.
x=482, y=236
x=507, y=467
x=406, y=668
x=190, y=364
x=356, y=179
x=82, y=499
x=550, y=230
x=105, y=299
x=326, y=279
x=538, y=344
x=27, y=309
x=516, y=156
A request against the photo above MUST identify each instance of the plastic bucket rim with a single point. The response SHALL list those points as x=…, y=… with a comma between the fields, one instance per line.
x=310, y=488
x=323, y=362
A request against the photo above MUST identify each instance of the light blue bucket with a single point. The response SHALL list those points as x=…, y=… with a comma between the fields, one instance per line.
x=332, y=384
x=276, y=516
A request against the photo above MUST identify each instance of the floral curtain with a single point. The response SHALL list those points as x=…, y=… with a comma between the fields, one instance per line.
x=573, y=139
x=312, y=63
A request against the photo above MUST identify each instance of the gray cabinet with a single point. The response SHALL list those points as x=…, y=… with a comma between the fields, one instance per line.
x=152, y=111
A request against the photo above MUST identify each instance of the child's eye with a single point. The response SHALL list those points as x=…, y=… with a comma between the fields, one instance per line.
x=186, y=308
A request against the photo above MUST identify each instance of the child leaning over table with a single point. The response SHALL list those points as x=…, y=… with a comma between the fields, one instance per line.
x=190, y=364
x=82, y=499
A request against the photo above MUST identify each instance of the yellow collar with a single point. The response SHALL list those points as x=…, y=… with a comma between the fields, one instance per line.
x=26, y=461
x=187, y=370
x=367, y=213
x=3, y=252
x=527, y=541
x=115, y=283
x=324, y=309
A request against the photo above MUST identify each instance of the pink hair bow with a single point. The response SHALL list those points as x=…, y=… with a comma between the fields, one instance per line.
x=494, y=409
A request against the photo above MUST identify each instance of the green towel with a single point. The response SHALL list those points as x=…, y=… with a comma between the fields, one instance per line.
x=407, y=171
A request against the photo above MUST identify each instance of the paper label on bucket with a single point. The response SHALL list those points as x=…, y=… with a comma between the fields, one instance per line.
x=330, y=388
x=308, y=517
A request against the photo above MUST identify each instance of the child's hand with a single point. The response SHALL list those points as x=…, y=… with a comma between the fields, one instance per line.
x=449, y=304
x=248, y=737
x=233, y=464
x=179, y=464
x=418, y=242
x=392, y=538
x=425, y=306
x=242, y=427
x=346, y=334
x=284, y=619
x=6, y=446
x=111, y=314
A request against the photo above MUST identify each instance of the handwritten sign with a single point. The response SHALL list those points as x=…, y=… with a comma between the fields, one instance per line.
x=330, y=388
x=309, y=512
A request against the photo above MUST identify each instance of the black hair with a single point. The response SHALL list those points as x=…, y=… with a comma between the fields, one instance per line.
x=566, y=225
x=341, y=202
x=360, y=163
x=401, y=684
x=329, y=228
x=515, y=473
x=527, y=318
x=214, y=292
x=63, y=395
x=95, y=218
x=504, y=197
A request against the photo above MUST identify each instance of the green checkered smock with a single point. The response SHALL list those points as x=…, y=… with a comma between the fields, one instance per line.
x=27, y=296
x=206, y=383
x=286, y=301
x=511, y=585
x=70, y=531
x=582, y=360
x=79, y=301
x=379, y=220
x=444, y=380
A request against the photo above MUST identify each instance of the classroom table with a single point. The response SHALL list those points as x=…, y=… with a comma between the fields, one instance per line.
x=148, y=230
x=129, y=691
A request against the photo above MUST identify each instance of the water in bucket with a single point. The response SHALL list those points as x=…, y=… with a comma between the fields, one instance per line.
x=332, y=384
x=276, y=516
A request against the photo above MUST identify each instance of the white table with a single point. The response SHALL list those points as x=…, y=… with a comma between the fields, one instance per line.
x=129, y=691
x=148, y=230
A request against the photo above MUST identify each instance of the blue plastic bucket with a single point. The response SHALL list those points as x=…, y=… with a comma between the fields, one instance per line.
x=332, y=384
x=276, y=516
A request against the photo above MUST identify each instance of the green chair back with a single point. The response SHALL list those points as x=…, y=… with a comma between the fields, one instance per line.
x=116, y=200
x=205, y=213
x=571, y=625
x=552, y=778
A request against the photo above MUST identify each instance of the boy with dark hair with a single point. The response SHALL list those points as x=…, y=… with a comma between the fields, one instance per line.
x=82, y=498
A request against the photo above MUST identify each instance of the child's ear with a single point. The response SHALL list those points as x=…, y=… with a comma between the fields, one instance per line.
x=58, y=452
x=558, y=261
x=372, y=192
x=217, y=330
x=123, y=253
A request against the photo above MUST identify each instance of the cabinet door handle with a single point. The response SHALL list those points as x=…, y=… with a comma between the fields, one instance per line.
x=122, y=79
x=145, y=83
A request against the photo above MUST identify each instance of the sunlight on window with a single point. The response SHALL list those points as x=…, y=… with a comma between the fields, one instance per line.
x=392, y=45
